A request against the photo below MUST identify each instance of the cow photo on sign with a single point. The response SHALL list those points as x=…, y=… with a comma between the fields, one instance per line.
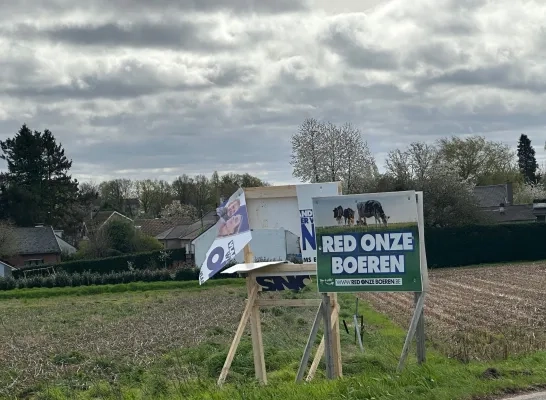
x=380, y=255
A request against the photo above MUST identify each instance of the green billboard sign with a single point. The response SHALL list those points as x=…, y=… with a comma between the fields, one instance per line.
x=368, y=243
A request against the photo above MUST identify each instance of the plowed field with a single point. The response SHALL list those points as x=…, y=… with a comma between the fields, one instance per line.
x=479, y=313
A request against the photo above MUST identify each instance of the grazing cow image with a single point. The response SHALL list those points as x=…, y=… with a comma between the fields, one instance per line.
x=349, y=215
x=338, y=214
x=371, y=208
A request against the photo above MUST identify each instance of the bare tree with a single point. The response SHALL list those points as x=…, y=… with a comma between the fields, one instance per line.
x=398, y=167
x=307, y=151
x=178, y=210
x=358, y=164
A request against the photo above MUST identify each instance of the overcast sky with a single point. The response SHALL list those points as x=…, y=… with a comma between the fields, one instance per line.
x=153, y=89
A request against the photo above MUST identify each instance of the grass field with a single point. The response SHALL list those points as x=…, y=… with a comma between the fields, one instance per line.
x=364, y=228
x=150, y=342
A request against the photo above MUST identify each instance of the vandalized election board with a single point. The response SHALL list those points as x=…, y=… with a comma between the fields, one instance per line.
x=368, y=243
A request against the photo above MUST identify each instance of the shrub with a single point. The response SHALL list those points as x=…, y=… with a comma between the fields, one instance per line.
x=147, y=260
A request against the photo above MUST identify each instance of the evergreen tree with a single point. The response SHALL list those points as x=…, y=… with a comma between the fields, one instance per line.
x=526, y=159
x=37, y=187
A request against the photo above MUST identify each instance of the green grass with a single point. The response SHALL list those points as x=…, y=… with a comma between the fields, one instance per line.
x=363, y=228
x=191, y=345
x=117, y=288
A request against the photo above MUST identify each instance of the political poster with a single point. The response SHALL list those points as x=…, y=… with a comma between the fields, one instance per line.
x=232, y=235
x=305, y=194
x=368, y=243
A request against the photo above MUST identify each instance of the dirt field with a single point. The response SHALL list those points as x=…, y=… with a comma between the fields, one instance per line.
x=480, y=313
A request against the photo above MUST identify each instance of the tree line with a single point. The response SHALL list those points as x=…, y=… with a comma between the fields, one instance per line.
x=446, y=170
x=37, y=188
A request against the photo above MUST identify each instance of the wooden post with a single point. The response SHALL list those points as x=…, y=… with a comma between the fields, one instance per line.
x=336, y=337
x=328, y=353
x=420, y=333
x=238, y=334
x=320, y=350
x=411, y=331
x=255, y=324
x=309, y=345
x=316, y=360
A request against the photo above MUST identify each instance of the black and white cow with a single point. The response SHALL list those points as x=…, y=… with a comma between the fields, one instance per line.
x=349, y=215
x=371, y=208
x=338, y=214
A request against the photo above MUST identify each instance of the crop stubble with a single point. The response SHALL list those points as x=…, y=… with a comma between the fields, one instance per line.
x=481, y=313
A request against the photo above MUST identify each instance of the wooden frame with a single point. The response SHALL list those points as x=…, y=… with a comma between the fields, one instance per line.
x=328, y=307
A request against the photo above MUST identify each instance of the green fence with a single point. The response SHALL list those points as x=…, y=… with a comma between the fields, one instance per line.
x=481, y=244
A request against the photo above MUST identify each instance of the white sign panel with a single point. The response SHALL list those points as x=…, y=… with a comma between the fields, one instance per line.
x=305, y=193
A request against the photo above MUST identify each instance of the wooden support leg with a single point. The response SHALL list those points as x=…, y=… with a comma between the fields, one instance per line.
x=320, y=350
x=420, y=333
x=336, y=337
x=411, y=331
x=328, y=348
x=310, y=342
x=255, y=323
x=256, y=332
x=238, y=334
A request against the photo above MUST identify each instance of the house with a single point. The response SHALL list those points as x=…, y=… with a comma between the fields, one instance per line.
x=98, y=219
x=155, y=226
x=181, y=236
x=6, y=269
x=35, y=246
x=269, y=244
x=497, y=202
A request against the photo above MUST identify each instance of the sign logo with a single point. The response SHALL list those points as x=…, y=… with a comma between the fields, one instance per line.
x=308, y=238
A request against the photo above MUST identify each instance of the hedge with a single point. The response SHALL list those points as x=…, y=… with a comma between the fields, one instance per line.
x=65, y=279
x=148, y=260
x=484, y=244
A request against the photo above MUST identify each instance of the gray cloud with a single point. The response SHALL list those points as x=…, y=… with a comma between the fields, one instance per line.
x=155, y=89
x=166, y=34
x=138, y=6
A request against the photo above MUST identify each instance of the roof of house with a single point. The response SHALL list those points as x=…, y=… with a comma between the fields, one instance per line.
x=492, y=195
x=99, y=218
x=155, y=226
x=186, y=232
x=515, y=213
x=9, y=265
x=36, y=240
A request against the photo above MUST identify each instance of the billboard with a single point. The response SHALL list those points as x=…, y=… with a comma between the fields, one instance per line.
x=232, y=235
x=368, y=243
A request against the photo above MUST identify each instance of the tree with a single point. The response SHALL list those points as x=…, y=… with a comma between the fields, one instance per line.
x=178, y=210
x=307, y=151
x=183, y=188
x=325, y=152
x=448, y=199
x=37, y=187
x=527, y=161
x=153, y=195
x=485, y=162
x=7, y=240
x=115, y=193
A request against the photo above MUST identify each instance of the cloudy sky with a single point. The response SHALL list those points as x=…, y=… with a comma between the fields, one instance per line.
x=153, y=89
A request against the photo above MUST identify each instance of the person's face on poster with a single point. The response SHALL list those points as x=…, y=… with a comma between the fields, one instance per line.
x=231, y=226
x=233, y=207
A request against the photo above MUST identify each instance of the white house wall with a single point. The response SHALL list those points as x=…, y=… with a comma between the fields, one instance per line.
x=268, y=244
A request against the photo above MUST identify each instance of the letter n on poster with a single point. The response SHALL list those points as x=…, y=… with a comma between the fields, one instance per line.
x=232, y=235
x=368, y=243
